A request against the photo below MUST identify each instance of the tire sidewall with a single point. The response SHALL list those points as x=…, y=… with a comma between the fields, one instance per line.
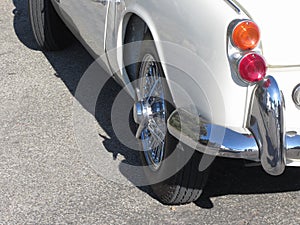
x=175, y=154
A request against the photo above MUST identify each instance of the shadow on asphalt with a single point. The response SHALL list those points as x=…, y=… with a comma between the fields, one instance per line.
x=226, y=177
x=232, y=176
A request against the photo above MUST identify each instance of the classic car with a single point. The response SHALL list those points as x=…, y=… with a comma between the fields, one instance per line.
x=209, y=78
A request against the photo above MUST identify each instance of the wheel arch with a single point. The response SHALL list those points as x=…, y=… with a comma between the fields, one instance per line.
x=212, y=67
x=135, y=26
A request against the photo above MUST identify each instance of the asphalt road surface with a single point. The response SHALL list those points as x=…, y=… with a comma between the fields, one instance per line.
x=48, y=177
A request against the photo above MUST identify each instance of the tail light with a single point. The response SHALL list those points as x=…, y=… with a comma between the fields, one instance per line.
x=246, y=35
x=252, y=67
x=244, y=51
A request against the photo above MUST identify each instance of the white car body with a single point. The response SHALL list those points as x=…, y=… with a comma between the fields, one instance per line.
x=198, y=31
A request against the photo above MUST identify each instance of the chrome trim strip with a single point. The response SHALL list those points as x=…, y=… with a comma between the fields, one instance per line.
x=233, y=6
x=283, y=66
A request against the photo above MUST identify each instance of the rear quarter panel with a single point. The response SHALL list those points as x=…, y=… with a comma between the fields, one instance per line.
x=191, y=39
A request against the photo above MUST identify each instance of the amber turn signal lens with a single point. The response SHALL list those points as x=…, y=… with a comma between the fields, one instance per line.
x=246, y=35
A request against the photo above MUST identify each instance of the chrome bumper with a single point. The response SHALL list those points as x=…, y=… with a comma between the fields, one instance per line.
x=268, y=142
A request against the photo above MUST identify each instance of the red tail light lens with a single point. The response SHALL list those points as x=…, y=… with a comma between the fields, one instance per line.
x=252, y=67
x=246, y=35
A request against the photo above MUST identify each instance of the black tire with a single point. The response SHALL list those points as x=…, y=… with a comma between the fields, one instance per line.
x=178, y=179
x=48, y=29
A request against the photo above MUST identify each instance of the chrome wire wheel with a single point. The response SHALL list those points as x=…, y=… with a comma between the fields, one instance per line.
x=170, y=168
x=150, y=112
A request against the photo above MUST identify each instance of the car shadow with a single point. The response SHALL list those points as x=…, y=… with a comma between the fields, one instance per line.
x=227, y=176
x=70, y=65
x=241, y=177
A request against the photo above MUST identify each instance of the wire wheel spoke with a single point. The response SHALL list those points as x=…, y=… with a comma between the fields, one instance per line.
x=152, y=129
x=156, y=131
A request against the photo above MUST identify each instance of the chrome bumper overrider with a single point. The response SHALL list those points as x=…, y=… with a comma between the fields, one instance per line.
x=268, y=142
